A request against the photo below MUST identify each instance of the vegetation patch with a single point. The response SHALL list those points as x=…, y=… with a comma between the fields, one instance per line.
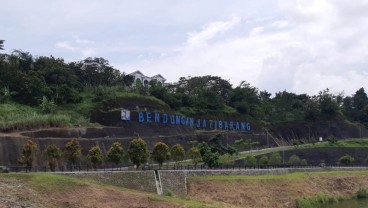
x=316, y=201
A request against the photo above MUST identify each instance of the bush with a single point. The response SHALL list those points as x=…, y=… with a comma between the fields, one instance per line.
x=315, y=202
x=294, y=160
x=264, y=160
x=138, y=152
x=362, y=193
x=95, y=156
x=169, y=193
x=346, y=159
x=226, y=159
x=160, y=153
x=195, y=155
x=115, y=153
x=275, y=159
x=177, y=153
x=303, y=162
x=250, y=160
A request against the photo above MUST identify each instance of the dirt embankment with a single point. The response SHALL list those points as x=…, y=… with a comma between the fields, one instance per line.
x=60, y=191
x=275, y=192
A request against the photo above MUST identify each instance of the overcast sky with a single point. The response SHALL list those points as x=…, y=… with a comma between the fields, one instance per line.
x=303, y=46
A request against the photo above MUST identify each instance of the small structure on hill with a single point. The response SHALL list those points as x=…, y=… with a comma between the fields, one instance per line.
x=141, y=79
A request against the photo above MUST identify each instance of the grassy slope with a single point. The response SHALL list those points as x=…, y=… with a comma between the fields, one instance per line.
x=18, y=117
x=276, y=190
x=49, y=190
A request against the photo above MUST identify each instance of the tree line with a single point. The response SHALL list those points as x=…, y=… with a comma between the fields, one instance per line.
x=32, y=80
x=71, y=153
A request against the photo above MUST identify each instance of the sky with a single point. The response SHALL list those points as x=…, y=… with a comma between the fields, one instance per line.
x=302, y=46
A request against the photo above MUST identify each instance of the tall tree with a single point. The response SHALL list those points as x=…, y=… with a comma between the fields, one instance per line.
x=138, y=152
x=160, y=153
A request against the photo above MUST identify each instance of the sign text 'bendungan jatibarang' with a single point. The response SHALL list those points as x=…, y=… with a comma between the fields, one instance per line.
x=173, y=119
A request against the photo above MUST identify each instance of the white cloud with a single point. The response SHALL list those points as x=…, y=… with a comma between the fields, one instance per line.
x=297, y=45
x=305, y=49
x=211, y=30
x=65, y=45
x=78, y=46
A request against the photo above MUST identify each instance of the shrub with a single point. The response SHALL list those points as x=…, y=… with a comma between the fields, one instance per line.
x=47, y=106
x=160, y=153
x=115, y=153
x=275, y=159
x=28, y=153
x=315, y=202
x=226, y=159
x=195, y=155
x=177, y=153
x=303, y=162
x=138, y=152
x=73, y=151
x=362, y=193
x=264, y=160
x=95, y=156
x=250, y=160
x=52, y=154
x=169, y=193
x=346, y=159
x=294, y=160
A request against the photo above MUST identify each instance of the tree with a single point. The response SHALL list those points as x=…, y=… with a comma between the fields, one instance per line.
x=95, y=156
x=28, y=154
x=328, y=104
x=275, y=159
x=128, y=80
x=2, y=44
x=195, y=155
x=47, y=106
x=115, y=153
x=138, y=152
x=73, y=151
x=177, y=153
x=160, y=153
x=52, y=154
x=211, y=159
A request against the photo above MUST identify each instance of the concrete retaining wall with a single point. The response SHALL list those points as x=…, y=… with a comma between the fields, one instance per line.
x=137, y=180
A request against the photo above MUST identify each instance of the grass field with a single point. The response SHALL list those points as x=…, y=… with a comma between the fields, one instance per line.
x=51, y=190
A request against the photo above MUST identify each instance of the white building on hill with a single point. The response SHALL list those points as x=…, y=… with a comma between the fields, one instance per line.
x=141, y=79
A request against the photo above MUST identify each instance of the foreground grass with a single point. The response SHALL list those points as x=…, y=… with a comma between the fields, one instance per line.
x=42, y=184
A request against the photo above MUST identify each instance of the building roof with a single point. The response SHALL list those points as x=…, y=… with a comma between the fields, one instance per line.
x=158, y=76
x=137, y=72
